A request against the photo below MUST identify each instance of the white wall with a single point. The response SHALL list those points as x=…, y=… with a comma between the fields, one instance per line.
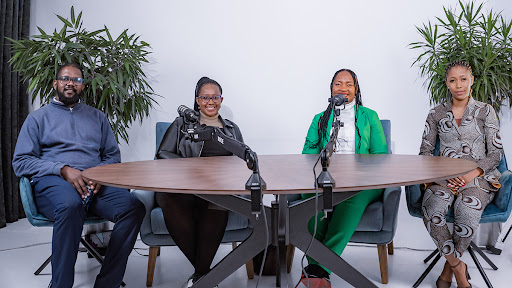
x=505, y=7
x=275, y=60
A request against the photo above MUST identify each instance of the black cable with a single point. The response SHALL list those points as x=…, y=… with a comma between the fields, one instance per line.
x=333, y=107
x=135, y=249
x=316, y=222
x=26, y=246
x=266, y=242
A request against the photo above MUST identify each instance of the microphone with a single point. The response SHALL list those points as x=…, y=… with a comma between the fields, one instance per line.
x=187, y=113
x=338, y=99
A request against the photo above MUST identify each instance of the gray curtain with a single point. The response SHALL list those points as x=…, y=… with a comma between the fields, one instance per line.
x=14, y=23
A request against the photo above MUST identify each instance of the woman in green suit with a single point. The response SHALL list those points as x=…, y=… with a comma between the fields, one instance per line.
x=362, y=134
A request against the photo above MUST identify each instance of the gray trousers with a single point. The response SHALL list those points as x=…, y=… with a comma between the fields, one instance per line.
x=468, y=207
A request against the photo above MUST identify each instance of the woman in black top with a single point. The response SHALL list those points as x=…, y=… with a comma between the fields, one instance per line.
x=196, y=225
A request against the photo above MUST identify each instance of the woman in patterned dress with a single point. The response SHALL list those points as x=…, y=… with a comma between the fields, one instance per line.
x=467, y=129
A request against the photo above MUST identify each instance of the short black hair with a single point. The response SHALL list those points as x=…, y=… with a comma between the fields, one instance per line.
x=74, y=65
x=203, y=81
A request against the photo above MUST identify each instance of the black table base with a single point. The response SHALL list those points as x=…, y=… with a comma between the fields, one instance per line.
x=290, y=227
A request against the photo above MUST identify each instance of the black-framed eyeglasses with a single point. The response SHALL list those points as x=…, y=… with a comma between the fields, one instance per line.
x=67, y=79
x=206, y=99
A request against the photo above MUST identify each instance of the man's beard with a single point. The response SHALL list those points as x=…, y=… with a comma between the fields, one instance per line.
x=68, y=100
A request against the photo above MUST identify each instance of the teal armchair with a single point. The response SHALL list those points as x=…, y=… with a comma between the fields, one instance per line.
x=39, y=220
x=497, y=211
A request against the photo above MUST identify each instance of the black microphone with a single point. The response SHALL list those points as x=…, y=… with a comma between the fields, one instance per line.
x=338, y=99
x=187, y=113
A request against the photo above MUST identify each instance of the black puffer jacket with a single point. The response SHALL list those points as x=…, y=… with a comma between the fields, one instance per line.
x=177, y=144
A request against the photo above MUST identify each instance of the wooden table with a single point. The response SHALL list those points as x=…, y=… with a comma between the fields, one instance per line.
x=222, y=179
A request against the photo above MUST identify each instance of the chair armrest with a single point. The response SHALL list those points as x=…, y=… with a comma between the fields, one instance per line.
x=503, y=199
x=391, y=202
x=27, y=199
x=148, y=199
x=414, y=197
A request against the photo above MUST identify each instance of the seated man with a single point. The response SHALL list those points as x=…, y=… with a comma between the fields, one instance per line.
x=56, y=143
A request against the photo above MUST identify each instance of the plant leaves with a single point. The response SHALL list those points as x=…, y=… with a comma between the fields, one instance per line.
x=115, y=82
x=482, y=39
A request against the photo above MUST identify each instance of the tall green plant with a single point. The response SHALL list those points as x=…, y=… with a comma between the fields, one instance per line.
x=482, y=39
x=114, y=80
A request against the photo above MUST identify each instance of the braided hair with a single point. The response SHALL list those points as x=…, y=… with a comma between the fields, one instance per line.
x=203, y=81
x=323, y=122
x=457, y=63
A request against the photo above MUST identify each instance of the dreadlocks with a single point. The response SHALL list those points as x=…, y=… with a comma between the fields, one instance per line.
x=323, y=122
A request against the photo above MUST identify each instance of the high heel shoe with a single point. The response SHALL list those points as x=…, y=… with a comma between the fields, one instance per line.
x=314, y=282
x=314, y=277
x=440, y=283
x=447, y=272
x=467, y=273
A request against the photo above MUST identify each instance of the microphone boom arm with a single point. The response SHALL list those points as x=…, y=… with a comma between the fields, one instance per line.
x=255, y=184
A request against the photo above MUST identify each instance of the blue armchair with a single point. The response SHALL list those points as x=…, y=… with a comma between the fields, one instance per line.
x=379, y=221
x=497, y=211
x=153, y=231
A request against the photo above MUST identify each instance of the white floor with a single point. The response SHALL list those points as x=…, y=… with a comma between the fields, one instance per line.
x=23, y=248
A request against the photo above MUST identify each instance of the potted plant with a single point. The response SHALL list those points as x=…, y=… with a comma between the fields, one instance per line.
x=482, y=39
x=112, y=67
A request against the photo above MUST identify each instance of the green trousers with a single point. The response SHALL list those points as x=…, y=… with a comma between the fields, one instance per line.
x=335, y=231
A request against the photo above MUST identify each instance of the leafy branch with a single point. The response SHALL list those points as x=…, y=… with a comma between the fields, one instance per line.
x=482, y=39
x=114, y=80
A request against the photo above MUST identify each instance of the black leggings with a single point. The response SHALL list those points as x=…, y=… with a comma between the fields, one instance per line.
x=196, y=229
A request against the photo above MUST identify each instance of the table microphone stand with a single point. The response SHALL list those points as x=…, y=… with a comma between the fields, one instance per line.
x=325, y=180
x=255, y=183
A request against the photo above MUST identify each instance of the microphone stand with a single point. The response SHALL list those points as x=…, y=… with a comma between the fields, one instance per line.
x=325, y=180
x=255, y=184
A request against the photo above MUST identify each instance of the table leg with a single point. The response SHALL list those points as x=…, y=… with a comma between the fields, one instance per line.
x=299, y=215
x=249, y=248
x=282, y=241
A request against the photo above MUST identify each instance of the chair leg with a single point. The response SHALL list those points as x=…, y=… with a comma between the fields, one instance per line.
x=391, y=249
x=479, y=266
x=479, y=251
x=43, y=265
x=249, y=266
x=153, y=253
x=430, y=256
x=425, y=273
x=94, y=253
x=383, y=262
x=158, y=253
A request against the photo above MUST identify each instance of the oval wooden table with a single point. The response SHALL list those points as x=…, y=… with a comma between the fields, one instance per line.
x=222, y=179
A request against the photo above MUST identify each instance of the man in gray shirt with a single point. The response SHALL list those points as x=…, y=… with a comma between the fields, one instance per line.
x=56, y=143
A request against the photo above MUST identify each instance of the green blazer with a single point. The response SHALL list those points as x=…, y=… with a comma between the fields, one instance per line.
x=372, y=140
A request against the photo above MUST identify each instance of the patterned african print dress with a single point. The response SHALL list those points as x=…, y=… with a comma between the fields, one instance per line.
x=476, y=139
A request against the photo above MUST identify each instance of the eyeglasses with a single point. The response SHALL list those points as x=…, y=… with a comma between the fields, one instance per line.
x=67, y=79
x=206, y=99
